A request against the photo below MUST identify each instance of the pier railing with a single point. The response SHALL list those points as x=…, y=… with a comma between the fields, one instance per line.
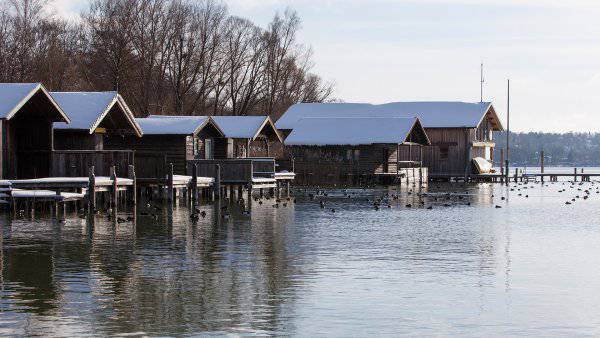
x=239, y=170
x=76, y=163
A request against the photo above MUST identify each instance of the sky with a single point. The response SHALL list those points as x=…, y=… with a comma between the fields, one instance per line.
x=381, y=51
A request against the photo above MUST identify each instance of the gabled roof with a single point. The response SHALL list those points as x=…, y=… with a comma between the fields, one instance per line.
x=88, y=109
x=248, y=127
x=354, y=131
x=432, y=114
x=175, y=125
x=13, y=96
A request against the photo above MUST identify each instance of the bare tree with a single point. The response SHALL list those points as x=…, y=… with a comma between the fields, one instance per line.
x=176, y=56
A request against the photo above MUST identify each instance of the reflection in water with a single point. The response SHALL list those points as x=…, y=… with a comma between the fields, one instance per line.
x=298, y=269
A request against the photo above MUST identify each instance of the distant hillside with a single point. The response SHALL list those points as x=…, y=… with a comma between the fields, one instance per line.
x=559, y=149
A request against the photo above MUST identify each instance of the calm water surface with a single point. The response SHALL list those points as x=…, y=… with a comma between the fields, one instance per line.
x=531, y=267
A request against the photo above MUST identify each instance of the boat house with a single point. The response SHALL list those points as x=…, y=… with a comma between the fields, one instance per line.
x=244, y=136
x=354, y=150
x=458, y=131
x=172, y=140
x=99, y=123
x=27, y=113
x=97, y=119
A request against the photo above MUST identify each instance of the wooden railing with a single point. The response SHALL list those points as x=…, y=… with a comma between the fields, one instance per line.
x=239, y=170
x=76, y=163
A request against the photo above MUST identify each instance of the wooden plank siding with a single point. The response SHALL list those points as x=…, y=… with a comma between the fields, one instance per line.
x=328, y=165
x=27, y=147
x=243, y=148
x=447, y=154
x=153, y=152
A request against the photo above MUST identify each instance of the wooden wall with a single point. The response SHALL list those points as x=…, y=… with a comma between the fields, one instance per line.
x=27, y=147
x=65, y=139
x=343, y=164
x=238, y=148
x=153, y=152
x=448, y=152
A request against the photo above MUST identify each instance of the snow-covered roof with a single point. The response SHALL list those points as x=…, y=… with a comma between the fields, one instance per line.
x=236, y=126
x=351, y=131
x=174, y=125
x=432, y=114
x=88, y=109
x=14, y=95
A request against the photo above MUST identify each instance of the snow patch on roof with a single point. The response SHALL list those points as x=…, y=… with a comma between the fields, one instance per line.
x=350, y=131
x=13, y=94
x=84, y=109
x=232, y=126
x=171, y=125
x=432, y=114
x=240, y=126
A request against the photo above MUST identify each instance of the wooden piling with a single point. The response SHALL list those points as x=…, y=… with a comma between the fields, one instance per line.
x=114, y=198
x=91, y=191
x=194, y=185
x=170, y=184
x=217, y=183
x=502, y=164
x=131, y=176
x=542, y=165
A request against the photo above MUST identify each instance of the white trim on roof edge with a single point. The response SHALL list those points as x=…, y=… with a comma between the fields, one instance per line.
x=41, y=87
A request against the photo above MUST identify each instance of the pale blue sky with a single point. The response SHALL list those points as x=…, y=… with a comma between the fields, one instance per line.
x=384, y=50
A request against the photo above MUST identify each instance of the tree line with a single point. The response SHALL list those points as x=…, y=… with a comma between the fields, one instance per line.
x=164, y=56
x=559, y=148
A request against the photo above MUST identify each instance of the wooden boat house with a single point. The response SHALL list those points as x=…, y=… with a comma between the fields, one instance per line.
x=244, y=136
x=458, y=131
x=357, y=150
x=97, y=118
x=27, y=113
x=172, y=140
x=99, y=123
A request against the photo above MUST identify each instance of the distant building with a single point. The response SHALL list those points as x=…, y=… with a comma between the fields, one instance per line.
x=351, y=150
x=458, y=131
x=27, y=113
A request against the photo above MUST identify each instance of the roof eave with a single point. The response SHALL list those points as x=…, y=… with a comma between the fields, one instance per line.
x=41, y=87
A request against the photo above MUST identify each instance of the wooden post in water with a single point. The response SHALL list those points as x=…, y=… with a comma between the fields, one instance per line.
x=217, y=183
x=170, y=185
x=131, y=176
x=115, y=189
x=542, y=164
x=194, y=184
x=502, y=165
x=91, y=191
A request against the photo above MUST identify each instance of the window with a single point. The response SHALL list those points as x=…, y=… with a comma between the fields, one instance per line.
x=208, y=148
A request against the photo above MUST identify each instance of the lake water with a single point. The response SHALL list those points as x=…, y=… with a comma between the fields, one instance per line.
x=529, y=268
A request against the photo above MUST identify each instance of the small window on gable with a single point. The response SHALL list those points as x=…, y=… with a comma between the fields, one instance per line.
x=444, y=150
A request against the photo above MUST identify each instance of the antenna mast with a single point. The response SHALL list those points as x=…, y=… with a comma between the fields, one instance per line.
x=481, y=84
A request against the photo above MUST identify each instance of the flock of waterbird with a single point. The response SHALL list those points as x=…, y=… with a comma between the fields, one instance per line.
x=414, y=198
x=460, y=195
